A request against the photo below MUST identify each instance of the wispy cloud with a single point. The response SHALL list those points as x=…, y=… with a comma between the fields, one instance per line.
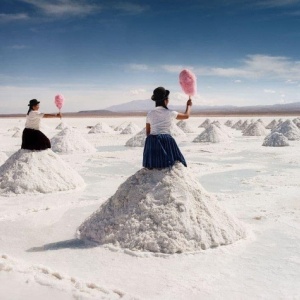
x=139, y=67
x=13, y=17
x=129, y=7
x=277, y=3
x=62, y=8
x=268, y=91
x=137, y=91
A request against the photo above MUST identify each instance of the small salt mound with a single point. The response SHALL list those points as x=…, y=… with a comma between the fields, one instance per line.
x=61, y=125
x=165, y=211
x=37, y=172
x=275, y=139
x=16, y=128
x=138, y=140
x=185, y=127
x=272, y=124
x=229, y=123
x=131, y=128
x=289, y=130
x=237, y=125
x=297, y=122
x=17, y=134
x=121, y=127
x=245, y=124
x=212, y=134
x=101, y=128
x=71, y=141
x=176, y=131
x=262, y=122
x=205, y=124
x=255, y=129
x=3, y=158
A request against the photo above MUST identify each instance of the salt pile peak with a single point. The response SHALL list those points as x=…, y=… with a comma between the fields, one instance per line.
x=61, y=126
x=165, y=211
x=17, y=134
x=138, y=140
x=131, y=128
x=228, y=123
x=37, y=172
x=205, y=124
x=275, y=139
x=101, y=127
x=245, y=124
x=272, y=124
x=212, y=134
x=185, y=127
x=289, y=130
x=255, y=129
x=70, y=140
x=237, y=125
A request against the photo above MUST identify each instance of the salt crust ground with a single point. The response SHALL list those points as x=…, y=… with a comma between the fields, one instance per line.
x=37, y=172
x=162, y=211
x=259, y=185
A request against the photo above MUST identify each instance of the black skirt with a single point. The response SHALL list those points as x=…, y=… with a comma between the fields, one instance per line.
x=33, y=139
x=161, y=151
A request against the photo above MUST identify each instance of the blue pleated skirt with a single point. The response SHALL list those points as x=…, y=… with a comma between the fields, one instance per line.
x=161, y=151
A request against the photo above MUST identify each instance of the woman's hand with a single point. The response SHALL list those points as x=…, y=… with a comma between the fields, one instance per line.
x=59, y=115
x=189, y=102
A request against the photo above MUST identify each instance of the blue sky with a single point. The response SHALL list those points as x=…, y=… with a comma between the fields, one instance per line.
x=102, y=53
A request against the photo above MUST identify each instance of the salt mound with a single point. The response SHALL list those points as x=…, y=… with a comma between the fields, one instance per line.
x=3, y=158
x=16, y=128
x=213, y=134
x=237, y=125
x=289, y=130
x=164, y=211
x=176, y=131
x=71, y=141
x=229, y=123
x=275, y=139
x=297, y=122
x=101, y=128
x=262, y=122
x=138, y=140
x=121, y=126
x=185, y=127
x=205, y=124
x=255, y=129
x=37, y=172
x=131, y=128
x=17, y=134
x=272, y=124
x=245, y=124
x=61, y=125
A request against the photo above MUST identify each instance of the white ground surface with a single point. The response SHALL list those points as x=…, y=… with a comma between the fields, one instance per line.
x=41, y=259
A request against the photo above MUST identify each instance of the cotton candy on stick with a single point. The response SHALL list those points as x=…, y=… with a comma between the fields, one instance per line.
x=59, y=101
x=188, y=82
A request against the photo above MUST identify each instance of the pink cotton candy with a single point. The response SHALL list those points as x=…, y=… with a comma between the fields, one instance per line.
x=188, y=82
x=59, y=101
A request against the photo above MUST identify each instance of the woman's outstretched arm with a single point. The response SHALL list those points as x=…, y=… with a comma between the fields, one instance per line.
x=59, y=115
x=185, y=115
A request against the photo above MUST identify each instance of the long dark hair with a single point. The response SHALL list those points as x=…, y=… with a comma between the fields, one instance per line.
x=161, y=103
x=29, y=109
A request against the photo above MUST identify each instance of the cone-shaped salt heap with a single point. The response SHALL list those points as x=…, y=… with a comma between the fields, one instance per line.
x=121, y=126
x=237, y=125
x=185, y=127
x=176, y=131
x=297, y=122
x=213, y=134
x=164, y=211
x=131, y=128
x=37, y=172
x=255, y=129
x=229, y=123
x=17, y=134
x=61, y=126
x=3, y=158
x=289, y=130
x=262, y=122
x=245, y=124
x=138, y=140
x=101, y=128
x=272, y=124
x=275, y=139
x=70, y=140
x=205, y=124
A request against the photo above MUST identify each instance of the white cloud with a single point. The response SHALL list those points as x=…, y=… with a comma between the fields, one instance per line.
x=237, y=81
x=267, y=91
x=60, y=8
x=137, y=92
x=13, y=17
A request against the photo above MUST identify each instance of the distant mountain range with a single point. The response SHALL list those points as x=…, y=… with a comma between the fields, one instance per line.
x=146, y=105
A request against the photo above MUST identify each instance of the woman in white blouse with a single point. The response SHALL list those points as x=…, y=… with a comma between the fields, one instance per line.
x=33, y=138
x=161, y=150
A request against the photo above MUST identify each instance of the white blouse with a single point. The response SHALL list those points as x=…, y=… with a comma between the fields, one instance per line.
x=33, y=120
x=160, y=120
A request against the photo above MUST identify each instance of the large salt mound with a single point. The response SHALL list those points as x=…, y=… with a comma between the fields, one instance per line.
x=164, y=211
x=71, y=141
x=275, y=139
x=205, y=124
x=37, y=172
x=131, y=128
x=289, y=130
x=3, y=158
x=138, y=140
x=185, y=127
x=255, y=129
x=101, y=128
x=272, y=124
x=212, y=134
